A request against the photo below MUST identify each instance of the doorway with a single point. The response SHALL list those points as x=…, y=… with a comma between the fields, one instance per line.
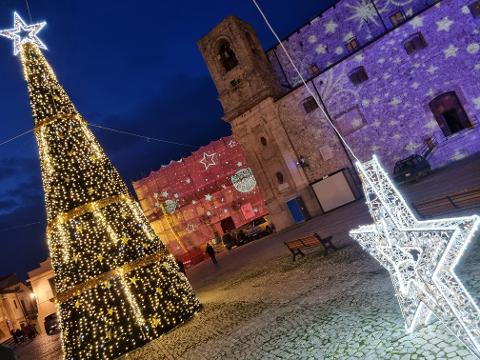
x=298, y=210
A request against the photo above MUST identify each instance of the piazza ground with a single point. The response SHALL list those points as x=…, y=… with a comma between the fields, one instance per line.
x=259, y=304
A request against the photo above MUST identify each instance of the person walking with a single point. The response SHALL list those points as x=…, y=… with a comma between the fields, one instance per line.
x=211, y=252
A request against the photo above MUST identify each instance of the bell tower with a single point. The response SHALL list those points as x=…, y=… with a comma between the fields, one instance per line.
x=238, y=66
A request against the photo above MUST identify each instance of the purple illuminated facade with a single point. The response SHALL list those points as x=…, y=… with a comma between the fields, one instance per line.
x=397, y=77
x=407, y=102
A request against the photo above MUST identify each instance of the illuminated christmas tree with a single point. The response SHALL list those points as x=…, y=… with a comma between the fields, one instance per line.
x=117, y=287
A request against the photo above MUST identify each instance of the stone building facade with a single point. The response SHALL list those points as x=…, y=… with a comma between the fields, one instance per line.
x=397, y=78
x=17, y=307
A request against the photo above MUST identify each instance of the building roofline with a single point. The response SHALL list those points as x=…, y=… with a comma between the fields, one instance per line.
x=308, y=22
x=388, y=31
x=163, y=166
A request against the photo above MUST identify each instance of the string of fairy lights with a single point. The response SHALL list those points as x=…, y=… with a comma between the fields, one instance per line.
x=117, y=287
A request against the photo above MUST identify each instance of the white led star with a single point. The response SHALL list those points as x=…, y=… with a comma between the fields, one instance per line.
x=208, y=197
x=421, y=257
x=208, y=160
x=23, y=33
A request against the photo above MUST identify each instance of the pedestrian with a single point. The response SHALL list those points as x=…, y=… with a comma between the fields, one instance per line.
x=14, y=335
x=211, y=252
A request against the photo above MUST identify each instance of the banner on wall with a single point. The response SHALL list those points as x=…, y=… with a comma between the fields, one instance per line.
x=247, y=211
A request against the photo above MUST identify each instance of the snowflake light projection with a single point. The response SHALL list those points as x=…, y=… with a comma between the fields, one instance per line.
x=421, y=257
x=363, y=12
x=243, y=180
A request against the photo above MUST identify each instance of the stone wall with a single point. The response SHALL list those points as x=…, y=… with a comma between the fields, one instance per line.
x=389, y=113
x=322, y=40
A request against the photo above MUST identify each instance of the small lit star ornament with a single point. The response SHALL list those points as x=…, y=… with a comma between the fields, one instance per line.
x=208, y=160
x=23, y=33
x=421, y=257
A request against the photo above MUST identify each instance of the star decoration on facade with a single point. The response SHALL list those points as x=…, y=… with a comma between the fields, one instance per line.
x=421, y=257
x=416, y=22
x=23, y=33
x=208, y=160
x=321, y=49
x=451, y=51
x=208, y=197
x=473, y=48
x=330, y=27
x=444, y=24
x=432, y=69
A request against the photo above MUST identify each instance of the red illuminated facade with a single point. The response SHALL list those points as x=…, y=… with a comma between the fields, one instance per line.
x=198, y=198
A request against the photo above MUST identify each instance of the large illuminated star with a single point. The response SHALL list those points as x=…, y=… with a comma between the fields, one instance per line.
x=23, y=33
x=421, y=257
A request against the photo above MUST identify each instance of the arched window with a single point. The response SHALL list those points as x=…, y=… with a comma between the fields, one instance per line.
x=449, y=113
x=280, y=178
x=227, y=56
x=263, y=141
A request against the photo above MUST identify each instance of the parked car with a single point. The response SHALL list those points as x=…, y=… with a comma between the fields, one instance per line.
x=52, y=326
x=229, y=240
x=258, y=228
x=411, y=169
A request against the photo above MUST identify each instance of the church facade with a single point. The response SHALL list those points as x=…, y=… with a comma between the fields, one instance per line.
x=397, y=78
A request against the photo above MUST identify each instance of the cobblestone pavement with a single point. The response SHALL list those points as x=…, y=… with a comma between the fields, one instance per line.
x=336, y=307
x=259, y=304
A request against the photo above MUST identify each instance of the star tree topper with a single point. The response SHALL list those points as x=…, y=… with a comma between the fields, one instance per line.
x=23, y=33
x=421, y=257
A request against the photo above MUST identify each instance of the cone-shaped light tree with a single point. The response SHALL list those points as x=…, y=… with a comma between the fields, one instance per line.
x=117, y=287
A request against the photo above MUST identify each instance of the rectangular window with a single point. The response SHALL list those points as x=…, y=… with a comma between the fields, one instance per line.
x=397, y=18
x=415, y=43
x=358, y=75
x=352, y=45
x=475, y=9
x=310, y=105
x=313, y=70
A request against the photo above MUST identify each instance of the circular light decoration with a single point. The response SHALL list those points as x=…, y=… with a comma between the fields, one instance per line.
x=170, y=206
x=244, y=180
